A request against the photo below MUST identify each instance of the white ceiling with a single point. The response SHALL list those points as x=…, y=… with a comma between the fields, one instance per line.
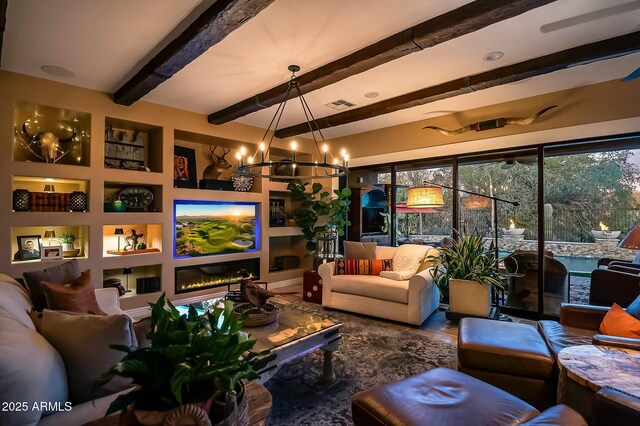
x=103, y=41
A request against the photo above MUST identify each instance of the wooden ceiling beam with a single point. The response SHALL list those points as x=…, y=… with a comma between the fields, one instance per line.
x=593, y=52
x=3, y=23
x=214, y=24
x=448, y=26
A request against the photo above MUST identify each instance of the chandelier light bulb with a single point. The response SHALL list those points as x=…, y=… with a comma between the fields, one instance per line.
x=250, y=160
x=343, y=152
x=335, y=161
x=262, y=147
x=243, y=151
x=238, y=156
x=294, y=145
x=325, y=148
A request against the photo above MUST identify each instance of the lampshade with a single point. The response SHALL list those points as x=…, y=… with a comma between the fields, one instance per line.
x=119, y=231
x=49, y=188
x=632, y=239
x=427, y=196
x=475, y=202
x=126, y=270
x=50, y=233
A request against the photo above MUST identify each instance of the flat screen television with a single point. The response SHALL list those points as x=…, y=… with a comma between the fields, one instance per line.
x=204, y=228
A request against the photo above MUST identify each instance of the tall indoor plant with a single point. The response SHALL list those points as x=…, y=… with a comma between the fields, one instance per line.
x=319, y=212
x=193, y=358
x=470, y=271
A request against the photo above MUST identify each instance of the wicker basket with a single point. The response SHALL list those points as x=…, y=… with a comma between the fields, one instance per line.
x=257, y=317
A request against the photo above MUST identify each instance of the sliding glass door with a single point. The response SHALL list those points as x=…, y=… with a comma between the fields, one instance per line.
x=513, y=178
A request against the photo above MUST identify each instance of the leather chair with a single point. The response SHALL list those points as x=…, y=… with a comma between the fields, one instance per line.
x=523, y=289
x=615, y=281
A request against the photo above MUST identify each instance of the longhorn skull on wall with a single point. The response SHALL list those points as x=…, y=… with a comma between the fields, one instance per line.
x=494, y=123
x=47, y=145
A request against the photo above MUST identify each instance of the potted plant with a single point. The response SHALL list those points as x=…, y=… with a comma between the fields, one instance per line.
x=470, y=271
x=67, y=239
x=319, y=214
x=194, y=362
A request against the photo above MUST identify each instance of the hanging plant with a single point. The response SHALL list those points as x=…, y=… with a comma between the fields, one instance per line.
x=319, y=211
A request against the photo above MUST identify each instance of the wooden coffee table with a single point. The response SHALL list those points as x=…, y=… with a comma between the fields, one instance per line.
x=586, y=369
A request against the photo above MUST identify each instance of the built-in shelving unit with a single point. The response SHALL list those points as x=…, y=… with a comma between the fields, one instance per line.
x=113, y=150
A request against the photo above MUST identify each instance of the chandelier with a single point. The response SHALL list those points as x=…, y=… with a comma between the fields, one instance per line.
x=292, y=168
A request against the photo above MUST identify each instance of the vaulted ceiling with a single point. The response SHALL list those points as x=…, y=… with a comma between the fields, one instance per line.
x=114, y=46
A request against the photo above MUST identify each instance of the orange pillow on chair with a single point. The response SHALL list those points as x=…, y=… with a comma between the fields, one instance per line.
x=619, y=323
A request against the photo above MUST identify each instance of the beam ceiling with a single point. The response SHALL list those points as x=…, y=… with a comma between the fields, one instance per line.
x=213, y=25
x=448, y=26
x=605, y=49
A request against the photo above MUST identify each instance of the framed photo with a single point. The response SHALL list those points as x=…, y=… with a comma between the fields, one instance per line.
x=51, y=252
x=29, y=247
x=184, y=167
x=277, y=216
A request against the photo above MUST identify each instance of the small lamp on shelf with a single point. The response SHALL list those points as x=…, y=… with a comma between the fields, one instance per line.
x=49, y=233
x=49, y=188
x=118, y=232
x=127, y=271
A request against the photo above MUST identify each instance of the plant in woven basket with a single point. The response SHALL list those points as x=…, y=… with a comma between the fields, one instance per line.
x=192, y=358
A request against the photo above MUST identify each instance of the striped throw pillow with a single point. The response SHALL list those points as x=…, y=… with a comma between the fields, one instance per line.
x=362, y=266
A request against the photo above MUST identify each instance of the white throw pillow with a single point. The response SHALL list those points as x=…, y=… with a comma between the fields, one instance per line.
x=397, y=275
x=407, y=259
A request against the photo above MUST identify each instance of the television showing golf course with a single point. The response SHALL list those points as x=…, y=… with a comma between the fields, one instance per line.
x=212, y=227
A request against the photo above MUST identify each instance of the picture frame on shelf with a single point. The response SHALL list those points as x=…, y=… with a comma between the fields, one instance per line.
x=29, y=247
x=51, y=253
x=277, y=216
x=184, y=167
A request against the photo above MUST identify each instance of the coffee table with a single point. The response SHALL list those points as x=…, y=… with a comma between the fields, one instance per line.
x=294, y=334
x=586, y=369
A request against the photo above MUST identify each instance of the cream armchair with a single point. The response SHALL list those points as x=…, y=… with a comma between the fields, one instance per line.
x=410, y=301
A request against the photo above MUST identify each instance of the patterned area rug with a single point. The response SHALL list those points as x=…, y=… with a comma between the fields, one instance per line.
x=371, y=352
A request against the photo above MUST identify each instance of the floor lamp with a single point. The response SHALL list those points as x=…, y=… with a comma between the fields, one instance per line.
x=430, y=195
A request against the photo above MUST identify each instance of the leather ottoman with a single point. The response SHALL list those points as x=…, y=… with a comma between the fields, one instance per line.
x=439, y=397
x=511, y=356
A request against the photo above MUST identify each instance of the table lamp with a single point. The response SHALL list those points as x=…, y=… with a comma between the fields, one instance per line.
x=118, y=232
x=127, y=271
x=49, y=233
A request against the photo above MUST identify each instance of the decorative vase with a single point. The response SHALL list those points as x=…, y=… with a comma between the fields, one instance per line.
x=21, y=200
x=67, y=247
x=185, y=415
x=469, y=297
x=233, y=412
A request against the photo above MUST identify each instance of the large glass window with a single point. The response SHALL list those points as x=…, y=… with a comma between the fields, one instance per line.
x=513, y=177
x=591, y=202
x=423, y=225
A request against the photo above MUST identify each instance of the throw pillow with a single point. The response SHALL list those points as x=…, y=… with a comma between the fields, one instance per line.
x=358, y=250
x=619, y=323
x=408, y=258
x=63, y=273
x=397, y=275
x=634, y=308
x=83, y=343
x=428, y=259
x=346, y=266
x=77, y=296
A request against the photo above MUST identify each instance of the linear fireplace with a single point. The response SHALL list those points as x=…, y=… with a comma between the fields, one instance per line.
x=211, y=275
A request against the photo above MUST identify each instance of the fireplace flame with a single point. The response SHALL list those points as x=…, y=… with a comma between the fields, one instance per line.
x=603, y=227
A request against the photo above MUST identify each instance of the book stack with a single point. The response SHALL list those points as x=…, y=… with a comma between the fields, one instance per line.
x=50, y=202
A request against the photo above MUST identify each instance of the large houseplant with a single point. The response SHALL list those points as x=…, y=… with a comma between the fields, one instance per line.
x=469, y=270
x=193, y=358
x=319, y=212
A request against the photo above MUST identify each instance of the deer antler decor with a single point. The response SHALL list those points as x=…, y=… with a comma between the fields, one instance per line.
x=494, y=123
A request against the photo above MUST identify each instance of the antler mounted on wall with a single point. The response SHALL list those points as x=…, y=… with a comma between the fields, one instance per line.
x=494, y=123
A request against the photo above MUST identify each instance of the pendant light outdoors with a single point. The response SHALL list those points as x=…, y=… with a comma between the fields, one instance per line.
x=329, y=167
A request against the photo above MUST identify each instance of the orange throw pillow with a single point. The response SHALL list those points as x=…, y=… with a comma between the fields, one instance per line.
x=77, y=296
x=619, y=323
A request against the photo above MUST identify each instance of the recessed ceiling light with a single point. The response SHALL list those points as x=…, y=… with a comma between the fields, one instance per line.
x=493, y=56
x=58, y=71
x=371, y=95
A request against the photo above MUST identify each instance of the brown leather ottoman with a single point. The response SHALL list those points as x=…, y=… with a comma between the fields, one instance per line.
x=439, y=397
x=511, y=356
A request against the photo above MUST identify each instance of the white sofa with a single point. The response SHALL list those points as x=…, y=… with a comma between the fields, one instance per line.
x=410, y=301
x=31, y=370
